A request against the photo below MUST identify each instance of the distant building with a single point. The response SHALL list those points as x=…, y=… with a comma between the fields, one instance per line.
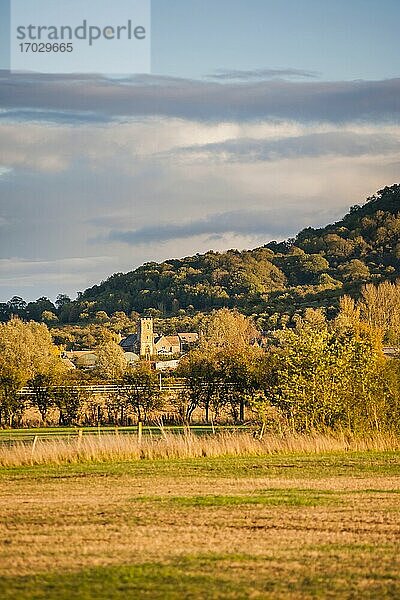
x=129, y=344
x=146, y=338
x=132, y=358
x=83, y=359
x=87, y=359
x=147, y=344
x=167, y=345
x=166, y=365
x=67, y=362
x=187, y=340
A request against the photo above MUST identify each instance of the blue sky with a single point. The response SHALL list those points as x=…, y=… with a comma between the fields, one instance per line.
x=259, y=118
x=341, y=39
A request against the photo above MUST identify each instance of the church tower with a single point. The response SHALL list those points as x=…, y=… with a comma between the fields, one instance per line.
x=146, y=337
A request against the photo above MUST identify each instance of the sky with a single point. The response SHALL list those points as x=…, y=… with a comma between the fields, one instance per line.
x=259, y=118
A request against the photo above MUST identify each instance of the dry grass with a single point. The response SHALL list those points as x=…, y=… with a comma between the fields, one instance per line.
x=105, y=448
x=276, y=527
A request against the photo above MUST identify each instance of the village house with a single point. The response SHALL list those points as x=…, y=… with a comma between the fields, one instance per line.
x=129, y=343
x=187, y=341
x=145, y=343
x=67, y=362
x=167, y=345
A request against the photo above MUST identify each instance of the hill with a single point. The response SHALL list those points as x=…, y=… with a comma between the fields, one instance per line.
x=313, y=269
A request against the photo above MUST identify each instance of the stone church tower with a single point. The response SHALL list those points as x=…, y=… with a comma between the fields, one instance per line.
x=146, y=337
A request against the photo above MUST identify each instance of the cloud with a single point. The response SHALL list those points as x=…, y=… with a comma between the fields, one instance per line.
x=305, y=101
x=21, y=276
x=4, y=171
x=264, y=163
x=257, y=74
x=339, y=143
x=50, y=148
x=259, y=223
x=169, y=143
x=59, y=117
x=38, y=267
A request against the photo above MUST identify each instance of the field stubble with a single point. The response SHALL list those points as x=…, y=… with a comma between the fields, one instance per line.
x=285, y=525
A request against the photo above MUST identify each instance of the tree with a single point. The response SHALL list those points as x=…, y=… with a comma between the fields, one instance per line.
x=17, y=306
x=218, y=372
x=120, y=321
x=111, y=361
x=42, y=385
x=328, y=375
x=62, y=301
x=16, y=348
x=71, y=396
x=199, y=368
x=101, y=317
x=35, y=310
x=64, y=307
x=354, y=270
x=231, y=335
x=68, y=400
x=380, y=307
x=49, y=370
x=141, y=390
x=27, y=356
x=5, y=312
x=227, y=329
x=49, y=317
x=237, y=373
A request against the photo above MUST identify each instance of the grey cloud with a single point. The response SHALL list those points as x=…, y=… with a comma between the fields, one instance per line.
x=33, y=278
x=204, y=100
x=256, y=223
x=59, y=117
x=340, y=143
x=38, y=267
x=256, y=74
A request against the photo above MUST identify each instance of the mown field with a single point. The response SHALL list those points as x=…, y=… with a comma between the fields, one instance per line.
x=8, y=437
x=280, y=526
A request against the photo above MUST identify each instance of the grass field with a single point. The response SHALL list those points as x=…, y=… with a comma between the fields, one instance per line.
x=282, y=526
x=47, y=433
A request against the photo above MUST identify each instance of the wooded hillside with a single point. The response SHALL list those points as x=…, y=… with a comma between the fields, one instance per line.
x=314, y=269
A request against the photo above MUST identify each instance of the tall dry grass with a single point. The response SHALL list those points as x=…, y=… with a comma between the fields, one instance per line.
x=107, y=448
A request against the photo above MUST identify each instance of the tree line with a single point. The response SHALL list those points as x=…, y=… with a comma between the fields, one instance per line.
x=310, y=373
x=317, y=374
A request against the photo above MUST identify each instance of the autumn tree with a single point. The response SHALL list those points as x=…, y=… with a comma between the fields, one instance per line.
x=328, y=375
x=218, y=372
x=227, y=329
x=141, y=390
x=27, y=357
x=49, y=317
x=16, y=367
x=200, y=370
x=238, y=376
x=380, y=307
x=111, y=361
x=49, y=370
